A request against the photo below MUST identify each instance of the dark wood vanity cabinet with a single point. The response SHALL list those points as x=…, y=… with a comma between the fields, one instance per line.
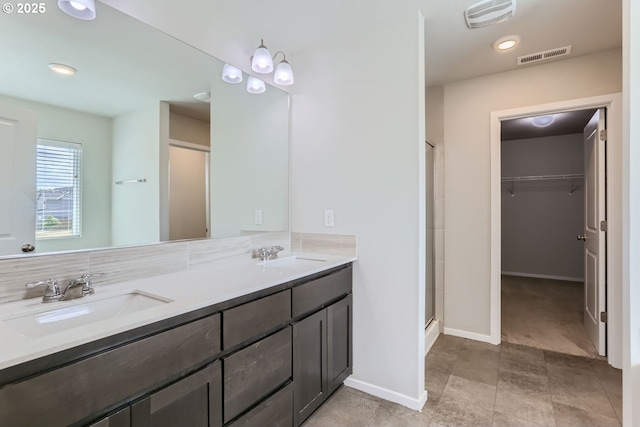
x=266, y=359
x=195, y=401
x=322, y=344
x=122, y=418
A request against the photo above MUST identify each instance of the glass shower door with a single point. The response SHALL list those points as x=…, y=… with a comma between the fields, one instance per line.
x=430, y=288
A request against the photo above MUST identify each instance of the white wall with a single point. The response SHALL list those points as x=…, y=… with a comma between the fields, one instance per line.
x=631, y=215
x=188, y=129
x=136, y=151
x=358, y=148
x=249, y=159
x=541, y=220
x=94, y=133
x=468, y=167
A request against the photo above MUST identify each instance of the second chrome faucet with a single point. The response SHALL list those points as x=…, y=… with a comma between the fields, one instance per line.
x=77, y=288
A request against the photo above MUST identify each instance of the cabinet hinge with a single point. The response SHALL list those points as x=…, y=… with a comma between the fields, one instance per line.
x=603, y=225
x=603, y=135
x=604, y=317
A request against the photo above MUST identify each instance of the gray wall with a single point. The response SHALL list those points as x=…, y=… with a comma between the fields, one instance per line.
x=541, y=221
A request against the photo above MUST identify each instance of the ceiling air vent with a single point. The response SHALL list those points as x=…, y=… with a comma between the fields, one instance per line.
x=543, y=56
x=489, y=12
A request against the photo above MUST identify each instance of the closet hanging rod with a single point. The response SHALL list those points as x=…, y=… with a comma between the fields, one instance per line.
x=542, y=177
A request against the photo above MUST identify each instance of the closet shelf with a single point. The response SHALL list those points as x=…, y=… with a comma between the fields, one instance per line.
x=542, y=177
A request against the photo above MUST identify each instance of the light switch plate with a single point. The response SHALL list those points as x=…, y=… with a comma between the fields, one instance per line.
x=258, y=217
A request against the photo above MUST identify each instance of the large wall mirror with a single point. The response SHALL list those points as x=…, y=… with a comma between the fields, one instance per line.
x=121, y=153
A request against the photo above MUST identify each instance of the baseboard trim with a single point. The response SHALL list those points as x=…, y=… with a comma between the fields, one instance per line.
x=392, y=396
x=431, y=333
x=543, y=276
x=470, y=335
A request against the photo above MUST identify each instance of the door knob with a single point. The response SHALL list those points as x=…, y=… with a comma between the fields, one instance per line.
x=582, y=237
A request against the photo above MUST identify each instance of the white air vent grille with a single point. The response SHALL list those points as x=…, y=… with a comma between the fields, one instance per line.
x=489, y=12
x=542, y=56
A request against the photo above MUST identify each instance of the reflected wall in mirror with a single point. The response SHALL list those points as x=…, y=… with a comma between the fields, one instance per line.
x=130, y=105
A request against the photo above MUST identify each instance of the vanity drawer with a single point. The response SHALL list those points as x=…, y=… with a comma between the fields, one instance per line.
x=255, y=371
x=103, y=381
x=310, y=296
x=249, y=320
x=276, y=411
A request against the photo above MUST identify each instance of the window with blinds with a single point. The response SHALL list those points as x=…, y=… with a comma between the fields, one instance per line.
x=58, y=189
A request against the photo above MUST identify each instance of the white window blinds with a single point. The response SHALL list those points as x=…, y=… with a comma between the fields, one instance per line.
x=58, y=187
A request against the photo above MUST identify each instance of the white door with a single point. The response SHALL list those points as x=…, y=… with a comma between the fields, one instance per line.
x=18, y=135
x=188, y=197
x=594, y=235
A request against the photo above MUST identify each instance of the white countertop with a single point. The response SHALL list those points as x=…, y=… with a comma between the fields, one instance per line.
x=190, y=290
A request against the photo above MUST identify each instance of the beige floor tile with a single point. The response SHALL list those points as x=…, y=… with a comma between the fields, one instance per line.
x=526, y=396
x=479, y=363
x=569, y=416
x=611, y=378
x=392, y=415
x=579, y=388
x=462, y=392
x=505, y=420
x=532, y=388
x=347, y=407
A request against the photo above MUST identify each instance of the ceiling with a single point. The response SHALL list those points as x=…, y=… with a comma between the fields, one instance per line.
x=565, y=123
x=587, y=25
x=232, y=29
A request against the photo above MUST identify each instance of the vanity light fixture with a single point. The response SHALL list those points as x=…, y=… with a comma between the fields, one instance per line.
x=506, y=43
x=542, y=121
x=81, y=9
x=231, y=74
x=62, y=69
x=255, y=85
x=262, y=62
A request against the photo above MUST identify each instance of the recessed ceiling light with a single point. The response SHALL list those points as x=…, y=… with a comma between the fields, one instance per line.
x=62, y=69
x=81, y=9
x=203, y=96
x=506, y=43
x=542, y=121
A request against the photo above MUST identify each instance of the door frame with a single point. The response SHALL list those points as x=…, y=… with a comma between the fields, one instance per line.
x=613, y=104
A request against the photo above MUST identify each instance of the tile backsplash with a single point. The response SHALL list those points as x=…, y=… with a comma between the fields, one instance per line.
x=333, y=244
x=126, y=263
x=129, y=263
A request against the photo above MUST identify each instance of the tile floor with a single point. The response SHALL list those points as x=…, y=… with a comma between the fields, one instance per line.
x=476, y=384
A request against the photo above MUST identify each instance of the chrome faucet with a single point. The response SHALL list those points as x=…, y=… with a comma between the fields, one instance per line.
x=78, y=288
x=267, y=253
x=52, y=291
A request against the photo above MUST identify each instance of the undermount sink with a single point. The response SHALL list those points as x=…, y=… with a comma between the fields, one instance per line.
x=59, y=317
x=291, y=261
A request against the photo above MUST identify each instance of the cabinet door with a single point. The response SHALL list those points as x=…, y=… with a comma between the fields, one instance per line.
x=309, y=365
x=195, y=401
x=121, y=418
x=339, y=342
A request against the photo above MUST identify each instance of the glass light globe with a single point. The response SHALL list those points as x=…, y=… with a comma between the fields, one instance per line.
x=231, y=74
x=262, y=61
x=255, y=85
x=284, y=74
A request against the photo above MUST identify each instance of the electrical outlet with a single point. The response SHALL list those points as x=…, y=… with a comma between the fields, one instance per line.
x=258, y=217
x=328, y=218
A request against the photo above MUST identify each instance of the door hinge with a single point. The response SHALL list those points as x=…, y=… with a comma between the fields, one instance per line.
x=603, y=135
x=603, y=225
x=604, y=318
